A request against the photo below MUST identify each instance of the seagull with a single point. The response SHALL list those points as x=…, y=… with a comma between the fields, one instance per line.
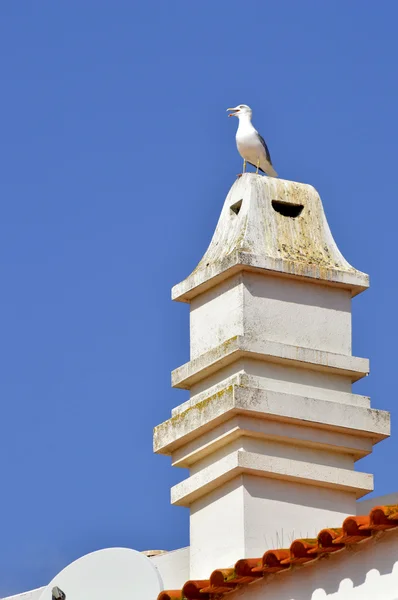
x=250, y=144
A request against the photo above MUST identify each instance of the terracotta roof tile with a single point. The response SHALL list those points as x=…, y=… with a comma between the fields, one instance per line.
x=326, y=541
x=299, y=552
x=170, y=595
x=221, y=581
x=383, y=517
x=353, y=531
x=192, y=590
x=245, y=570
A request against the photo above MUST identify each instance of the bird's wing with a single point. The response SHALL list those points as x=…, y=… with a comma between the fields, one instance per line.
x=267, y=154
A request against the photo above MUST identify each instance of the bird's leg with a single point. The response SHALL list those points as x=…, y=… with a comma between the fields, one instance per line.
x=258, y=164
x=244, y=169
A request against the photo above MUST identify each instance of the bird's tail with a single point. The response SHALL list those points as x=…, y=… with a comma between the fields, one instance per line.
x=271, y=171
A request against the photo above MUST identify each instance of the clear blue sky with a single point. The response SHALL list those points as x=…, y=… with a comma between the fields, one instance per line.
x=115, y=158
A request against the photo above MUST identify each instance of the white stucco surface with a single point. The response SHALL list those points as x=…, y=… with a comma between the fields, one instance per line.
x=272, y=309
x=216, y=316
x=365, y=505
x=173, y=568
x=240, y=519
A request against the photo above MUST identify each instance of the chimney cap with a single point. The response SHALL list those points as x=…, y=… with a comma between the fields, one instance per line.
x=270, y=224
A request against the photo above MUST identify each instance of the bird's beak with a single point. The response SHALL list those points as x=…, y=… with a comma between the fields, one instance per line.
x=233, y=114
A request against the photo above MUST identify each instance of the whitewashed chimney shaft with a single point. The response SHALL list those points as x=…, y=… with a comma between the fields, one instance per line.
x=272, y=430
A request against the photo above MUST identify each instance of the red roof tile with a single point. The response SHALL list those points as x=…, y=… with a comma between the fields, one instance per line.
x=247, y=570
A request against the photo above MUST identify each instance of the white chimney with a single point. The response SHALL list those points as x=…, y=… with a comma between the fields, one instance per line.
x=272, y=430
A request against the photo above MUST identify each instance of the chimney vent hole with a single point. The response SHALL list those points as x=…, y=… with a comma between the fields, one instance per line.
x=287, y=209
x=235, y=208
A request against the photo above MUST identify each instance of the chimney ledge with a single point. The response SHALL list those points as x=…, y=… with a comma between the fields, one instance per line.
x=239, y=346
x=264, y=404
x=241, y=462
x=204, y=279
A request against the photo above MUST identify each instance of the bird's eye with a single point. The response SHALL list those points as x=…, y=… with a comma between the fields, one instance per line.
x=242, y=106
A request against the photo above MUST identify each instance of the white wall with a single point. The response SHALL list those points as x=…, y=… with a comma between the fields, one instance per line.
x=216, y=316
x=173, y=568
x=365, y=506
x=273, y=309
x=297, y=313
x=366, y=571
x=249, y=515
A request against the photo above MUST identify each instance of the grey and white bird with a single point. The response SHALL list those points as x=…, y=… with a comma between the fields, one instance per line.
x=250, y=144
